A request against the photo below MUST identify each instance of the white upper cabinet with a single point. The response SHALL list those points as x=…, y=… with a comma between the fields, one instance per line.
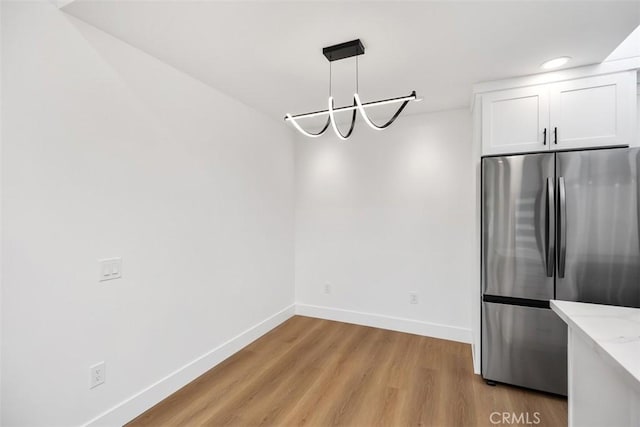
x=588, y=112
x=593, y=112
x=515, y=121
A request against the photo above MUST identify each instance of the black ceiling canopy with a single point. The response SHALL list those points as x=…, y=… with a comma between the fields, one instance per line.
x=343, y=50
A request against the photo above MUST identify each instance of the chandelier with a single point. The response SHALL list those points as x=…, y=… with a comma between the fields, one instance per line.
x=334, y=53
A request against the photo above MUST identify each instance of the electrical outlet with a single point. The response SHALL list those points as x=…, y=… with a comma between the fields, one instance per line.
x=110, y=269
x=97, y=374
x=413, y=298
x=327, y=288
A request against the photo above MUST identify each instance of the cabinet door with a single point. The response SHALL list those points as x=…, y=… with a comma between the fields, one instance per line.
x=514, y=121
x=593, y=112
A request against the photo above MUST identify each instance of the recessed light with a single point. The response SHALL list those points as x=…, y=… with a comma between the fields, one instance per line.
x=556, y=62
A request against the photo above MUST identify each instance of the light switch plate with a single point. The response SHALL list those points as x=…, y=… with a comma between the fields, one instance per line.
x=110, y=269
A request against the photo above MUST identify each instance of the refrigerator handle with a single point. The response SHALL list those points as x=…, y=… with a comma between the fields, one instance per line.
x=562, y=226
x=549, y=226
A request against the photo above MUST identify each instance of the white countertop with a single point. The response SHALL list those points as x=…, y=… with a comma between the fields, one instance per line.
x=613, y=332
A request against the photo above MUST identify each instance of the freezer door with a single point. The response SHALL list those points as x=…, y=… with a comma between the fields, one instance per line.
x=598, y=244
x=518, y=226
x=524, y=346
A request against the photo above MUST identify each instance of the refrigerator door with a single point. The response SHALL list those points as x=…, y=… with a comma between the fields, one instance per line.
x=597, y=235
x=524, y=346
x=518, y=226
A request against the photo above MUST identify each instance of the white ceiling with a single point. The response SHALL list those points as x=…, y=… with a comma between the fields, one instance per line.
x=629, y=48
x=268, y=54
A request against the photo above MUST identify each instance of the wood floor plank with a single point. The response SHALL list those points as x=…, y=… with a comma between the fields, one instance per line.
x=312, y=372
x=316, y=399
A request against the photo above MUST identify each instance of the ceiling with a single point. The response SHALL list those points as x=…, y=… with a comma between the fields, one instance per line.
x=268, y=54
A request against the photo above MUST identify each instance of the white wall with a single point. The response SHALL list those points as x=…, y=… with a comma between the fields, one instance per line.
x=388, y=213
x=1, y=133
x=109, y=152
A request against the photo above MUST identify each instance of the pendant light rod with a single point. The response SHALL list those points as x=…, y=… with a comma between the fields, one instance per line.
x=411, y=97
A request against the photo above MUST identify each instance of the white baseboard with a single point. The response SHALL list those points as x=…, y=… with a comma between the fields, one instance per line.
x=475, y=357
x=399, y=324
x=145, y=399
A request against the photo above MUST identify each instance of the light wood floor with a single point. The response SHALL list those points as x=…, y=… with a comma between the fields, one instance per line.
x=320, y=373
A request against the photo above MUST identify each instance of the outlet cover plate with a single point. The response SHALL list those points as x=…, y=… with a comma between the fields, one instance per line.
x=97, y=374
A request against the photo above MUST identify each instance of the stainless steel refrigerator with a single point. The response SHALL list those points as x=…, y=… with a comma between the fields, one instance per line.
x=554, y=225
